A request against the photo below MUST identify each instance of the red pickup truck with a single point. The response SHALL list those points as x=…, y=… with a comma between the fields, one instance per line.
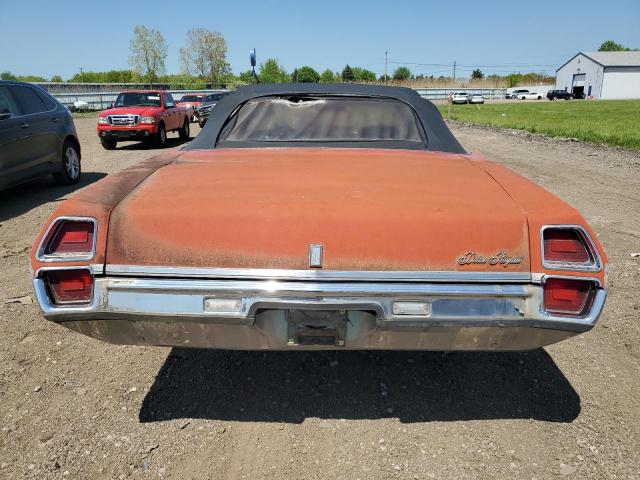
x=142, y=115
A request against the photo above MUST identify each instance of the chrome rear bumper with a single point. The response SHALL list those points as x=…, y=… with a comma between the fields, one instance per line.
x=258, y=314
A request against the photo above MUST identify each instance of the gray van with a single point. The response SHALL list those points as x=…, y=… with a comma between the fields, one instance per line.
x=37, y=136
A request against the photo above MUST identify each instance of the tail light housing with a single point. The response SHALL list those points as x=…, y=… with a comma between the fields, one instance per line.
x=564, y=296
x=68, y=239
x=568, y=248
x=70, y=286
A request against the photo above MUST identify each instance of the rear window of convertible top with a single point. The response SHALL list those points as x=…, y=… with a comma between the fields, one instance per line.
x=322, y=119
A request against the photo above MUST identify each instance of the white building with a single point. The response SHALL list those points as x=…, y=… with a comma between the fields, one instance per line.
x=607, y=75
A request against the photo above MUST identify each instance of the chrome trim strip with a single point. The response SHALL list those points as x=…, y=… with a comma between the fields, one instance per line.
x=67, y=257
x=594, y=266
x=321, y=275
x=182, y=300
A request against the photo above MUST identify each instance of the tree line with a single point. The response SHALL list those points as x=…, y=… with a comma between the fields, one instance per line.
x=203, y=61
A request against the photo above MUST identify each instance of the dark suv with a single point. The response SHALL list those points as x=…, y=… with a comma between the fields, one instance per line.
x=37, y=136
x=555, y=94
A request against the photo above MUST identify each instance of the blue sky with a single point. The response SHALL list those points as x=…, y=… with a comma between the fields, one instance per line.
x=48, y=38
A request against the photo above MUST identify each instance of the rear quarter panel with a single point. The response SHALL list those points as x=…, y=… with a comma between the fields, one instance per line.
x=541, y=208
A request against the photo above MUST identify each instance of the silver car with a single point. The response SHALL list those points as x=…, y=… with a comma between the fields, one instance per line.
x=476, y=98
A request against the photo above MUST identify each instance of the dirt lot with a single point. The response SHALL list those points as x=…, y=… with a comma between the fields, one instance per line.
x=72, y=407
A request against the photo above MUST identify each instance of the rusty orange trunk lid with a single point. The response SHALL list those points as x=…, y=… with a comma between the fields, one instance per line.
x=371, y=209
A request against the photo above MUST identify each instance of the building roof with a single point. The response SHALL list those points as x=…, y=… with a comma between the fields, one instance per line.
x=610, y=59
x=615, y=59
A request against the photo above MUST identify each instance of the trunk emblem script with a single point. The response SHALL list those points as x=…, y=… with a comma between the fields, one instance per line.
x=315, y=255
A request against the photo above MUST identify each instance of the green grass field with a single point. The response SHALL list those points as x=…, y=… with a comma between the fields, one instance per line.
x=612, y=122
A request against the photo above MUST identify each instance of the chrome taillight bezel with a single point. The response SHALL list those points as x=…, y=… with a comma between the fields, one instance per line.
x=41, y=254
x=42, y=273
x=595, y=261
x=586, y=310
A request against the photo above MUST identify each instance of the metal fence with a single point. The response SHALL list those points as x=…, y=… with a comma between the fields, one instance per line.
x=443, y=93
x=102, y=100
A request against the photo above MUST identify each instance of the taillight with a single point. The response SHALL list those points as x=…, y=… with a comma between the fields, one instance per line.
x=567, y=296
x=568, y=248
x=70, y=285
x=69, y=239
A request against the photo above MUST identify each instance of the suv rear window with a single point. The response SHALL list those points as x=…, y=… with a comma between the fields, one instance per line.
x=29, y=100
x=322, y=119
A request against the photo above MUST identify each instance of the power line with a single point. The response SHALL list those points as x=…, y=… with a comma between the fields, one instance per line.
x=505, y=65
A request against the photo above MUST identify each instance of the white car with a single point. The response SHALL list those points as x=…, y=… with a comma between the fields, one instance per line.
x=476, y=98
x=516, y=93
x=460, y=97
x=530, y=96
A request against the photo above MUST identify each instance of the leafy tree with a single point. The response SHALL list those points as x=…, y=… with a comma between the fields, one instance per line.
x=327, y=76
x=347, y=74
x=111, y=76
x=363, y=75
x=148, y=53
x=246, y=77
x=611, y=46
x=305, y=75
x=31, y=78
x=272, y=72
x=205, y=55
x=401, y=74
x=513, y=79
x=477, y=74
x=384, y=78
x=57, y=78
x=7, y=76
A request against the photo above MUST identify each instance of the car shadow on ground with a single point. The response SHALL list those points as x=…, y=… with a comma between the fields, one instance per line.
x=410, y=386
x=20, y=199
x=171, y=143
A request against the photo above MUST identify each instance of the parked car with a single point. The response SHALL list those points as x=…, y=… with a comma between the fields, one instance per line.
x=476, y=98
x=516, y=93
x=556, y=94
x=192, y=101
x=146, y=115
x=207, y=105
x=368, y=226
x=530, y=96
x=460, y=97
x=37, y=136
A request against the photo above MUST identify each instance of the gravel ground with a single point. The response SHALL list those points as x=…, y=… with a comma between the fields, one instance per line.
x=72, y=407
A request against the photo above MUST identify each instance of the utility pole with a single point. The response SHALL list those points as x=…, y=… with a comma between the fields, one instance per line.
x=81, y=75
x=386, y=78
x=454, y=70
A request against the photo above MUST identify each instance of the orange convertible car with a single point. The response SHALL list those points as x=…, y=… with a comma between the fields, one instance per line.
x=320, y=217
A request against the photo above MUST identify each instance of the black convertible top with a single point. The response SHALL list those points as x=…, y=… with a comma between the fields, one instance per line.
x=438, y=136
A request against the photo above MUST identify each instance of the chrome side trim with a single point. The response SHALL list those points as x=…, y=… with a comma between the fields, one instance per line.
x=42, y=257
x=320, y=275
x=594, y=266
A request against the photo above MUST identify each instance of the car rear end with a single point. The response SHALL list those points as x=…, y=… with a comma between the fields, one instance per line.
x=279, y=278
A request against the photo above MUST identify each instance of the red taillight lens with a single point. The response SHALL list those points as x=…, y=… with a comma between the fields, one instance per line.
x=564, y=245
x=71, y=237
x=70, y=286
x=565, y=296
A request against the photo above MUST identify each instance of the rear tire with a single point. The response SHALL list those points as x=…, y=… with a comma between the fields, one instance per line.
x=161, y=136
x=108, y=144
x=70, y=167
x=184, y=132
